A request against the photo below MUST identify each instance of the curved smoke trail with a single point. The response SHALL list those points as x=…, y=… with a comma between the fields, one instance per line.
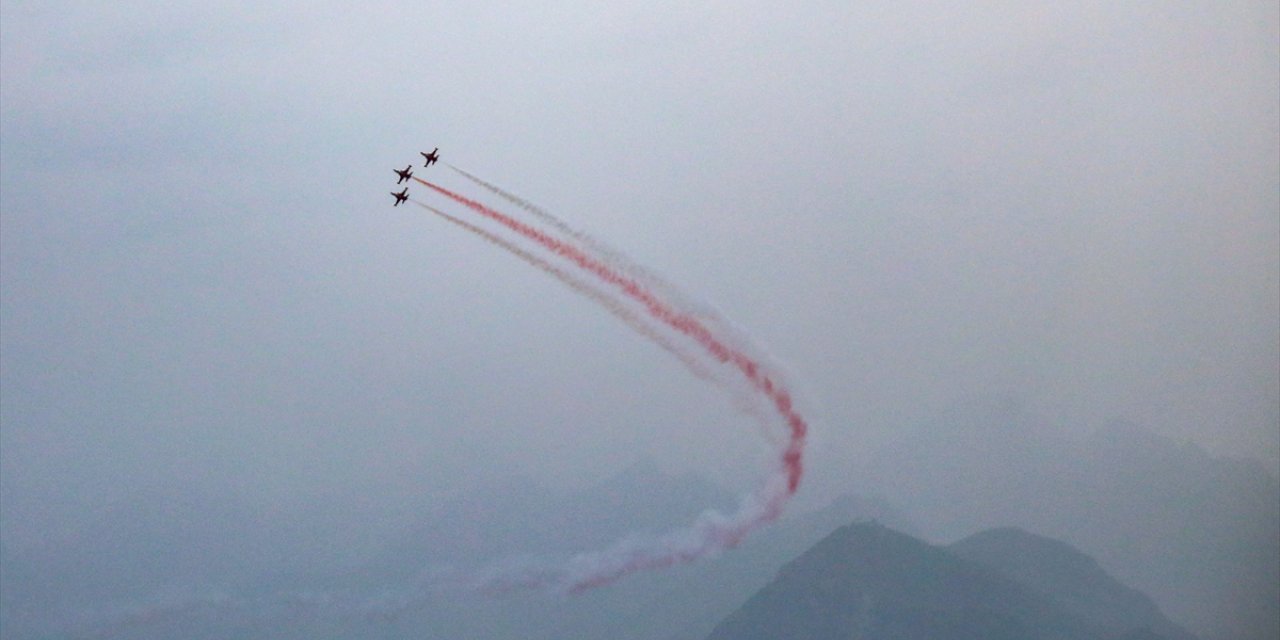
x=586, y=289
x=711, y=532
x=611, y=280
x=602, y=250
x=728, y=332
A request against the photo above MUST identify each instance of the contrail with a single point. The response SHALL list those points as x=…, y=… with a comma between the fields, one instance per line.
x=586, y=289
x=625, y=290
x=682, y=322
x=709, y=533
x=746, y=402
x=601, y=249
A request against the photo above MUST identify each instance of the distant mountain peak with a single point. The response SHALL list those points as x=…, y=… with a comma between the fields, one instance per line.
x=870, y=582
x=1071, y=579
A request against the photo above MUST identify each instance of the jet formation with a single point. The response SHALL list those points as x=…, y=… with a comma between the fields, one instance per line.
x=407, y=172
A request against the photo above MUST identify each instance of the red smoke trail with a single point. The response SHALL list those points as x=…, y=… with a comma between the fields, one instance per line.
x=746, y=401
x=599, y=248
x=711, y=531
x=689, y=326
x=598, y=296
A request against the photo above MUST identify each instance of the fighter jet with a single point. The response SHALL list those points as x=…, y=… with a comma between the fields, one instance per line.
x=404, y=175
x=400, y=197
x=431, y=157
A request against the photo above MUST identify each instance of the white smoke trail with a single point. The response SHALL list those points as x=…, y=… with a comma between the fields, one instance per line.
x=724, y=355
x=604, y=252
x=587, y=289
x=710, y=533
x=746, y=402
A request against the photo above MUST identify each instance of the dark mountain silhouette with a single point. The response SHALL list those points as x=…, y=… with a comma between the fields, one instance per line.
x=868, y=582
x=1071, y=580
x=1202, y=533
x=680, y=603
x=1196, y=533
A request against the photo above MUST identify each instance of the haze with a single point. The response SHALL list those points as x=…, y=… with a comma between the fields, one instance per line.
x=206, y=291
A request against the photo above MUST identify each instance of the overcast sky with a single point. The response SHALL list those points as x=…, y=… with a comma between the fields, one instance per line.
x=1073, y=205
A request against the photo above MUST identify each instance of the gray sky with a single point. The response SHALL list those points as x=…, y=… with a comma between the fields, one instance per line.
x=910, y=204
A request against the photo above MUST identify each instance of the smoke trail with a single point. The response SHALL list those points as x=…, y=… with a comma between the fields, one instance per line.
x=711, y=532
x=586, y=289
x=744, y=402
x=602, y=250
x=762, y=380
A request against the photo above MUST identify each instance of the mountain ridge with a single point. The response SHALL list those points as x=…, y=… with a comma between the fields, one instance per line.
x=869, y=582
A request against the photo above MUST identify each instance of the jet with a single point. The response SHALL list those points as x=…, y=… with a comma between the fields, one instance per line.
x=400, y=197
x=404, y=175
x=431, y=157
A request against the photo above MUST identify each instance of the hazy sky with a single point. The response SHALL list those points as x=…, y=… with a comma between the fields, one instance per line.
x=910, y=204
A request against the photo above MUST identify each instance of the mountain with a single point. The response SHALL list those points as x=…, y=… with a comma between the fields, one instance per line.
x=1201, y=534
x=507, y=518
x=683, y=602
x=1195, y=532
x=1071, y=580
x=868, y=582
